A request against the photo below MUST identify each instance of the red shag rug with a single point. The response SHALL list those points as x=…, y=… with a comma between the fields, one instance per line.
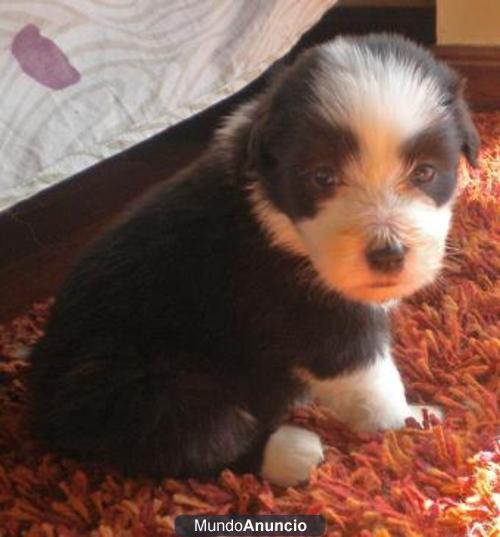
x=438, y=481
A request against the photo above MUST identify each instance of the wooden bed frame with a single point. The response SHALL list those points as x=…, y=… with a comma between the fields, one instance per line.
x=41, y=236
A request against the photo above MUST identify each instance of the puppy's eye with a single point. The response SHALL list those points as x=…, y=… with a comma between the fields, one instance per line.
x=422, y=174
x=324, y=177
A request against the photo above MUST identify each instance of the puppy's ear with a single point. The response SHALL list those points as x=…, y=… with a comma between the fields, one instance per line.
x=261, y=150
x=468, y=133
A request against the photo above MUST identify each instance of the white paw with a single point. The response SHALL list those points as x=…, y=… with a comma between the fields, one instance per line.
x=417, y=412
x=394, y=417
x=289, y=456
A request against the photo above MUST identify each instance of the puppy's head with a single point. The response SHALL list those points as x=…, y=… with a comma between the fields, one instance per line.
x=353, y=155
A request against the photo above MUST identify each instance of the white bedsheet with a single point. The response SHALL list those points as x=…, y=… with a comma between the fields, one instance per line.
x=81, y=80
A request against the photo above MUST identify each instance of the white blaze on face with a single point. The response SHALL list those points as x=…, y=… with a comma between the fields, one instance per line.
x=379, y=97
x=384, y=101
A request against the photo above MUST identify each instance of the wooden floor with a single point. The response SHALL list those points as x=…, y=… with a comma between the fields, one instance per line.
x=41, y=237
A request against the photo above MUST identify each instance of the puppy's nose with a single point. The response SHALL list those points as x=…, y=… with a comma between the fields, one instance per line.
x=386, y=257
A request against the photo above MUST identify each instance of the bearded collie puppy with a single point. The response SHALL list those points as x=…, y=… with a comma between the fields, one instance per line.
x=264, y=271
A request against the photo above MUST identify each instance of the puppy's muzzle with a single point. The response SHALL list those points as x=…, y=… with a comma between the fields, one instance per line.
x=387, y=257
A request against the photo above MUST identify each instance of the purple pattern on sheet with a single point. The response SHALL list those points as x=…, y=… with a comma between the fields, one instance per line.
x=41, y=59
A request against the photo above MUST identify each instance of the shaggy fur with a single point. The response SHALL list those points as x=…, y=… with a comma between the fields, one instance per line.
x=175, y=346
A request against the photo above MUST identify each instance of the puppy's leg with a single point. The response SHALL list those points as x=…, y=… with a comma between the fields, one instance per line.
x=370, y=398
x=157, y=423
x=289, y=455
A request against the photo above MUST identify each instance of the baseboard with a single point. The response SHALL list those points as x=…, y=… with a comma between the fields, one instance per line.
x=480, y=66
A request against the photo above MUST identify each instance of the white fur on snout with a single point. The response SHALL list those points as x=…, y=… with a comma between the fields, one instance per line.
x=337, y=237
x=289, y=456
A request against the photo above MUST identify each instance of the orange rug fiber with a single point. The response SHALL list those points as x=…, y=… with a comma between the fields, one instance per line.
x=440, y=480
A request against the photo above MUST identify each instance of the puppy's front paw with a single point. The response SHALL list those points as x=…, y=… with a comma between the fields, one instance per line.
x=417, y=412
x=290, y=454
x=393, y=417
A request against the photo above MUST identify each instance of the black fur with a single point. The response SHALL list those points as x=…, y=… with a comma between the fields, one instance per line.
x=177, y=321
x=171, y=346
x=440, y=146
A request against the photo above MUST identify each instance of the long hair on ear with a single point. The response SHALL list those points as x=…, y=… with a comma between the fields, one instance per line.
x=243, y=135
x=260, y=159
x=279, y=107
x=468, y=132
